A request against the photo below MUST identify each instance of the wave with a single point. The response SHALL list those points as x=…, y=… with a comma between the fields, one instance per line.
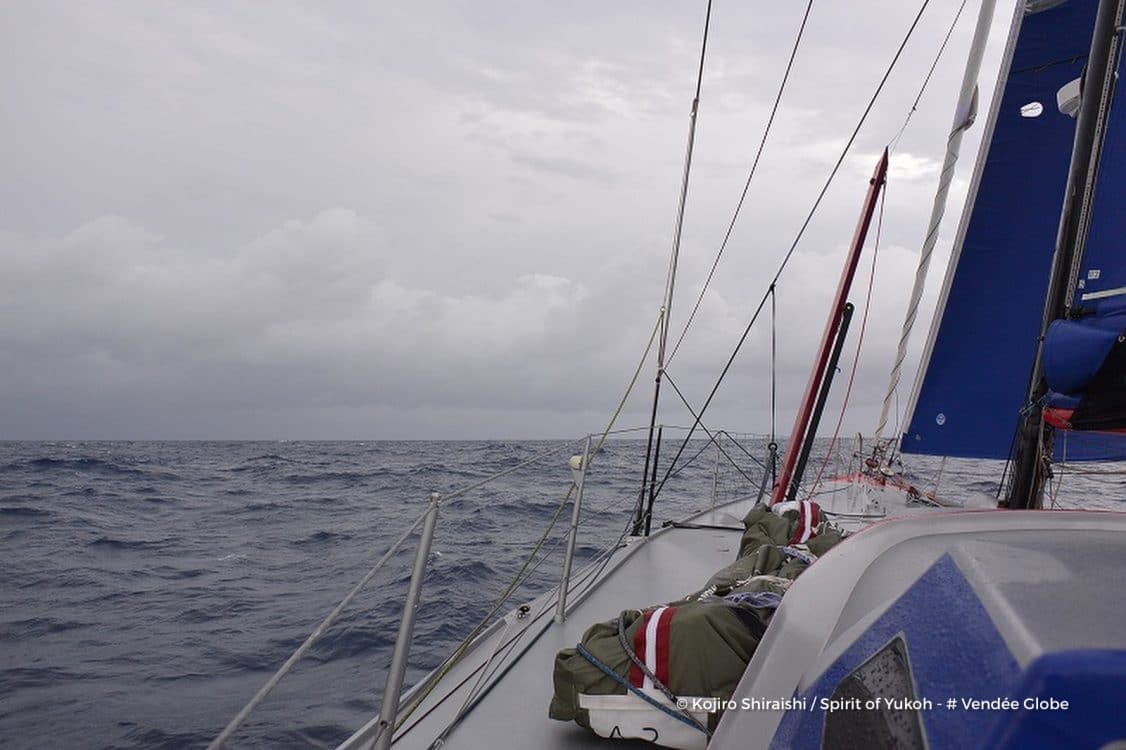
x=985, y=486
x=260, y=462
x=228, y=611
x=84, y=464
x=356, y=640
x=328, y=476
x=108, y=542
x=35, y=627
x=315, y=735
x=445, y=471
x=37, y=677
x=146, y=737
x=322, y=536
x=169, y=573
x=24, y=511
x=239, y=662
x=460, y=572
x=98, y=577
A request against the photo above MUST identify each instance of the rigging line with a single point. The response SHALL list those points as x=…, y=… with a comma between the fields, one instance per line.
x=773, y=362
x=801, y=232
x=695, y=456
x=1044, y=66
x=671, y=278
x=651, y=450
x=460, y=651
x=711, y=437
x=705, y=446
x=898, y=423
x=487, y=480
x=747, y=185
x=629, y=651
x=848, y=145
x=584, y=577
x=965, y=114
x=473, y=692
x=927, y=80
x=1053, y=494
x=629, y=388
x=315, y=636
x=859, y=344
x=1080, y=470
x=739, y=445
x=1010, y=464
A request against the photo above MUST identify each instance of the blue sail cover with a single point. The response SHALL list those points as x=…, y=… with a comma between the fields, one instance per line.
x=977, y=376
x=1076, y=349
x=1087, y=352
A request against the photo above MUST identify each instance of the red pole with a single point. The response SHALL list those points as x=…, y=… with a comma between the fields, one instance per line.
x=801, y=421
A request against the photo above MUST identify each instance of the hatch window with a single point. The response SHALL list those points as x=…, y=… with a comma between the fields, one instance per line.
x=894, y=723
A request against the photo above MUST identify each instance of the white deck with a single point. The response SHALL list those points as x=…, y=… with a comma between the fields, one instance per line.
x=513, y=711
x=509, y=708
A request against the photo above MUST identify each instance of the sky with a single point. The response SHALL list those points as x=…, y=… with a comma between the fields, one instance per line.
x=448, y=220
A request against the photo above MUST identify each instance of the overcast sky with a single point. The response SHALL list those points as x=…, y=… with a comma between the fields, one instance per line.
x=442, y=219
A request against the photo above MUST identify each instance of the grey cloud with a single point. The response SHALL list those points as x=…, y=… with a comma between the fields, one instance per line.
x=426, y=220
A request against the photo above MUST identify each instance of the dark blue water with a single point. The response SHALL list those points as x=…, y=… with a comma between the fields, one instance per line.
x=149, y=589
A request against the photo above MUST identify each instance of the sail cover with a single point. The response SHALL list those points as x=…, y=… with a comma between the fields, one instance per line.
x=984, y=337
x=1095, y=375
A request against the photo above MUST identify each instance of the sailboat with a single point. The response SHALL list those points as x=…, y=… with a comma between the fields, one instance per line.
x=939, y=627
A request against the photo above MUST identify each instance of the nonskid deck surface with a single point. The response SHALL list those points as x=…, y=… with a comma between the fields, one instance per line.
x=513, y=713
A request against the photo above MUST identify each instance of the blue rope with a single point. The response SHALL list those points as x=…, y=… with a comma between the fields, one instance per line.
x=648, y=699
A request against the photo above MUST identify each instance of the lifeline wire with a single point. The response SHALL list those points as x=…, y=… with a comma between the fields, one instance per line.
x=520, y=574
x=242, y=715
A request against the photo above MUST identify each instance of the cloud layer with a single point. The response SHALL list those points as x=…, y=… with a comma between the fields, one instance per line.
x=435, y=220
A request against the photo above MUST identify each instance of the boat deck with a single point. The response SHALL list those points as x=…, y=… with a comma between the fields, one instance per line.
x=512, y=712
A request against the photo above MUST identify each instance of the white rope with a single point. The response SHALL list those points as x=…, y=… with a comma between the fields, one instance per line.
x=964, y=116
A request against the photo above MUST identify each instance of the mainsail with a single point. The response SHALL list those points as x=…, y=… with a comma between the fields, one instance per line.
x=975, y=378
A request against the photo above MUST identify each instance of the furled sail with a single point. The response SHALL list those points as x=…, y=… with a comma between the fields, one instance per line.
x=975, y=375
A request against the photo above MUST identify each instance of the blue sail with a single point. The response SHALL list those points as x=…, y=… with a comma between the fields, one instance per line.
x=982, y=347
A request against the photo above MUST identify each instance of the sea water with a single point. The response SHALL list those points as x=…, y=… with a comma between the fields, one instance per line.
x=148, y=589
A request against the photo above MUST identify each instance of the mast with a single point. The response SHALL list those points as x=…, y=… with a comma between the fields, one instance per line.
x=640, y=520
x=964, y=115
x=1032, y=450
x=832, y=327
x=819, y=408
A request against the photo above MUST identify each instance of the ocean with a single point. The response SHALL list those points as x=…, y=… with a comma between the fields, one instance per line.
x=148, y=589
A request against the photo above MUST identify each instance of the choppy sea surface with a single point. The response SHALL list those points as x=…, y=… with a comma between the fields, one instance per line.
x=148, y=589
